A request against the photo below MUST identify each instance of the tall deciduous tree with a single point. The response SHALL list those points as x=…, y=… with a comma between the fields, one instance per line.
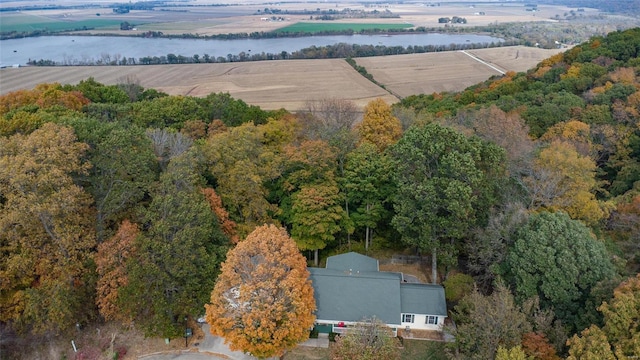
x=316, y=218
x=378, y=125
x=592, y=344
x=333, y=121
x=242, y=164
x=507, y=130
x=538, y=347
x=561, y=261
x=622, y=318
x=46, y=233
x=488, y=246
x=327, y=118
x=178, y=256
x=619, y=338
x=368, y=184
x=312, y=162
x=564, y=180
x=124, y=166
x=483, y=323
x=625, y=223
x=310, y=201
x=263, y=300
x=515, y=353
x=23, y=122
x=446, y=183
x=228, y=226
x=44, y=96
x=168, y=144
x=111, y=261
x=574, y=132
x=369, y=339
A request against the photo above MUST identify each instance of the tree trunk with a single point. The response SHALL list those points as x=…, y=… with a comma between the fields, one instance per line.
x=315, y=257
x=346, y=207
x=367, y=240
x=434, y=266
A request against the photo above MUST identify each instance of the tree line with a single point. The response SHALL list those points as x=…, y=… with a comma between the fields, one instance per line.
x=522, y=190
x=340, y=50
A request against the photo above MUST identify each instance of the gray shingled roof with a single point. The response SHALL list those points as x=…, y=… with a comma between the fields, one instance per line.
x=352, y=288
x=341, y=296
x=352, y=261
x=423, y=299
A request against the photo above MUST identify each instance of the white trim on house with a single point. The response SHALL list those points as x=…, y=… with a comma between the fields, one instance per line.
x=343, y=327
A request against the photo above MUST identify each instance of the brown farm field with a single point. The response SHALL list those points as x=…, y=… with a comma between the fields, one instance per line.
x=290, y=84
x=285, y=84
x=413, y=74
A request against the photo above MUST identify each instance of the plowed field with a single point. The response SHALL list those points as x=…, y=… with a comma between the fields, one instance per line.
x=290, y=84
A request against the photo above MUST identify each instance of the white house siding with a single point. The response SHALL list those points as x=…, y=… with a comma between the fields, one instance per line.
x=420, y=323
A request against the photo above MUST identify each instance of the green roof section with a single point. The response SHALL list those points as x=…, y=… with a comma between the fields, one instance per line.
x=353, y=297
x=352, y=261
x=423, y=299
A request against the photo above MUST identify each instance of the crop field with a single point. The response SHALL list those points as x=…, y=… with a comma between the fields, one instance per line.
x=316, y=27
x=412, y=74
x=285, y=84
x=24, y=22
x=290, y=84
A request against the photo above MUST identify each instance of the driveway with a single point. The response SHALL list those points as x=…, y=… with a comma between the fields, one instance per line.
x=211, y=347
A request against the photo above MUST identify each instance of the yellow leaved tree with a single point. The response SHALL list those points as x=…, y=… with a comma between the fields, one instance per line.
x=263, y=301
x=379, y=126
x=562, y=179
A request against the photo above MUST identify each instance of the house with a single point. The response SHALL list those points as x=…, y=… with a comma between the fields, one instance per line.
x=351, y=287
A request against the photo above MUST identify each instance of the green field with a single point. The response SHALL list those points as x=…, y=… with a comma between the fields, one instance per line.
x=28, y=23
x=322, y=27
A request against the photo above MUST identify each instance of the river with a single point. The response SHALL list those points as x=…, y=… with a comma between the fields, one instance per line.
x=85, y=49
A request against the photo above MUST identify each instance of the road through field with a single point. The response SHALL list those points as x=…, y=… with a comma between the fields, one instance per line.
x=449, y=71
x=482, y=62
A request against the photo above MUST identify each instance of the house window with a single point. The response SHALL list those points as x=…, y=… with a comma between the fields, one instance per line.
x=432, y=320
x=407, y=318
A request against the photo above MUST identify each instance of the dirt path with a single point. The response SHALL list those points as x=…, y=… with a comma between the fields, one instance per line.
x=483, y=62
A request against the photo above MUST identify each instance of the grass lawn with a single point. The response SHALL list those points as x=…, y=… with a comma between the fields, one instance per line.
x=320, y=27
x=307, y=353
x=27, y=23
x=413, y=350
x=423, y=350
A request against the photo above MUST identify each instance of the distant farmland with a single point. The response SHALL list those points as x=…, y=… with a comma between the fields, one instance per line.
x=305, y=27
x=28, y=23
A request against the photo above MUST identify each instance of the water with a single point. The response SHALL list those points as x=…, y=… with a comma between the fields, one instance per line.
x=78, y=49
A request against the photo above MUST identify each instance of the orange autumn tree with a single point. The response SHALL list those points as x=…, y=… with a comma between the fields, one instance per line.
x=537, y=346
x=111, y=262
x=45, y=96
x=228, y=226
x=263, y=301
